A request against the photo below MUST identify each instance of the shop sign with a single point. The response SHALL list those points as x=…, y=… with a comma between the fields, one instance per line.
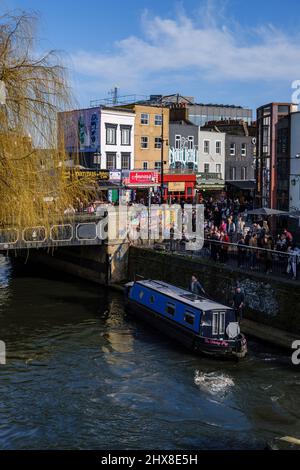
x=115, y=175
x=143, y=177
x=178, y=186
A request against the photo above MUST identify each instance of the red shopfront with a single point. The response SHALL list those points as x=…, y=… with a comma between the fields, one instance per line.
x=179, y=187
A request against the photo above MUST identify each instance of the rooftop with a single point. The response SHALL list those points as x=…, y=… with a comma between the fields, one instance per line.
x=182, y=295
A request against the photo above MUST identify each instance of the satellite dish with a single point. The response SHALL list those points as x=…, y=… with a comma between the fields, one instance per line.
x=233, y=330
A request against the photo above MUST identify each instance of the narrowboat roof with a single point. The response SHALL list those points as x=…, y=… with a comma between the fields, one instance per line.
x=182, y=295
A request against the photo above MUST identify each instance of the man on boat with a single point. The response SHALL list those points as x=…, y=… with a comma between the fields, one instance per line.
x=238, y=303
x=196, y=287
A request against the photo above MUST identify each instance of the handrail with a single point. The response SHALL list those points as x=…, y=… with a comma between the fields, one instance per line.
x=238, y=246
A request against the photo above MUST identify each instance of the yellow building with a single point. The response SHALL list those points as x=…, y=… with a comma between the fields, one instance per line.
x=149, y=123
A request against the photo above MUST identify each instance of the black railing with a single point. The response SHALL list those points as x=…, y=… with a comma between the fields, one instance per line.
x=252, y=259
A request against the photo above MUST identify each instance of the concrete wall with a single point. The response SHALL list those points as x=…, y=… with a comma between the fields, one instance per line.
x=103, y=264
x=269, y=301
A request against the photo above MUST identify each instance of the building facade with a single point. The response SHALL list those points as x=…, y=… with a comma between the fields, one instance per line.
x=240, y=149
x=103, y=137
x=266, y=159
x=201, y=113
x=239, y=158
x=283, y=162
x=151, y=136
x=183, y=141
x=294, y=174
x=211, y=158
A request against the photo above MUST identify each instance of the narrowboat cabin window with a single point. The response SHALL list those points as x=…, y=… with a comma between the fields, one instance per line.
x=215, y=323
x=170, y=309
x=141, y=294
x=189, y=318
x=152, y=299
x=221, y=323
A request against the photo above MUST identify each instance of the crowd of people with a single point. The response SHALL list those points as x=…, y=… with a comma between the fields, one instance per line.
x=254, y=242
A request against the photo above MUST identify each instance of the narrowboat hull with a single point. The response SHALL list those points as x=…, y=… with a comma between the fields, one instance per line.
x=228, y=348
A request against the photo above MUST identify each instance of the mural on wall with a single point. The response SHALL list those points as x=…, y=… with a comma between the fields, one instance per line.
x=81, y=130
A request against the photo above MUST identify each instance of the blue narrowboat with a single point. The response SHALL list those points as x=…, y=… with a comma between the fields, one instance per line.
x=200, y=324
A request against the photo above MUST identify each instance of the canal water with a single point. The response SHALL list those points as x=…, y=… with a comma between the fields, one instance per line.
x=80, y=375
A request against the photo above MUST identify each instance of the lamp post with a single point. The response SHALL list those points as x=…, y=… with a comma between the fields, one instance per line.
x=162, y=156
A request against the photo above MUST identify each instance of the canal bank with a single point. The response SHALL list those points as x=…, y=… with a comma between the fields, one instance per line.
x=272, y=311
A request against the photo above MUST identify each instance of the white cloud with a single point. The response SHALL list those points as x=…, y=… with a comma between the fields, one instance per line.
x=209, y=50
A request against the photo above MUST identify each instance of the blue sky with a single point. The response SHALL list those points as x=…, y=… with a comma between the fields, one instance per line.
x=228, y=51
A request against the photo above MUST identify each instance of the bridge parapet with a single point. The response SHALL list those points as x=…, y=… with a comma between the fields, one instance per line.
x=81, y=231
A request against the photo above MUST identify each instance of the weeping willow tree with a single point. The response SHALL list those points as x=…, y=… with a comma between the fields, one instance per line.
x=35, y=188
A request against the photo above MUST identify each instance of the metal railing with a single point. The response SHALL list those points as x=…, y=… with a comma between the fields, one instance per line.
x=252, y=259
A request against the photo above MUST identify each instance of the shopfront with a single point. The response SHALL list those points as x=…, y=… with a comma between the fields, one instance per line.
x=179, y=187
x=141, y=184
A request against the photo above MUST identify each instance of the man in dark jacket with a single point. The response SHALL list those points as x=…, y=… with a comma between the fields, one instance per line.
x=195, y=286
x=238, y=303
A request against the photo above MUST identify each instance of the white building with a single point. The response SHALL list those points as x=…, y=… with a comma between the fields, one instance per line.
x=103, y=137
x=294, y=203
x=117, y=139
x=211, y=153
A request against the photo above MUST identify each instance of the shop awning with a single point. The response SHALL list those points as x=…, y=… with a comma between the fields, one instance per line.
x=243, y=184
x=104, y=185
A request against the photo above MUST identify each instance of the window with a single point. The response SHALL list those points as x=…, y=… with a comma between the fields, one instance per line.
x=221, y=323
x=218, y=146
x=152, y=299
x=157, y=143
x=215, y=323
x=232, y=149
x=206, y=146
x=218, y=168
x=125, y=135
x=283, y=109
x=111, y=134
x=244, y=173
x=177, y=141
x=144, y=142
x=125, y=161
x=170, y=309
x=157, y=165
x=110, y=161
x=189, y=318
x=244, y=150
x=145, y=119
x=233, y=173
x=158, y=119
x=190, y=142
x=206, y=167
x=145, y=165
x=141, y=294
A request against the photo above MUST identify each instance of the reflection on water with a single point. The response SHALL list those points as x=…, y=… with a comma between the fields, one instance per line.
x=81, y=375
